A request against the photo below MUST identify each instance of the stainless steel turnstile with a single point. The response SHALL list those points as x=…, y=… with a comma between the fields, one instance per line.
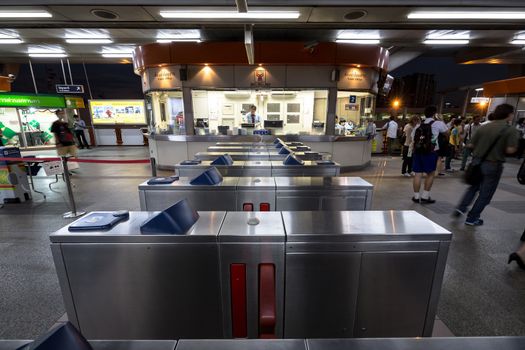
x=222, y=196
x=261, y=168
x=262, y=194
x=277, y=274
x=455, y=343
x=262, y=155
x=228, y=149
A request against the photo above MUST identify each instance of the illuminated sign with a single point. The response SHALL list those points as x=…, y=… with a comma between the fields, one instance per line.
x=109, y=112
x=479, y=100
x=31, y=100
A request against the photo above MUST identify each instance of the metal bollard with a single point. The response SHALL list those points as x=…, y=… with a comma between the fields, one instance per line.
x=153, y=163
x=73, y=213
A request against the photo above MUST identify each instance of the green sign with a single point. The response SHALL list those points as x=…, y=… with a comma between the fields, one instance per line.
x=31, y=100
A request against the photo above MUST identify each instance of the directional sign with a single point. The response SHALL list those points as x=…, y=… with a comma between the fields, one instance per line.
x=353, y=98
x=70, y=89
x=479, y=100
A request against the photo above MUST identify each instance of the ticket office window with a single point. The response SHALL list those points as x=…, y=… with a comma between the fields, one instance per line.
x=299, y=110
x=354, y=107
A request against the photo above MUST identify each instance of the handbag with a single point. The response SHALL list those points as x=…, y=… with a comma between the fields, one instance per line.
x=473, y=174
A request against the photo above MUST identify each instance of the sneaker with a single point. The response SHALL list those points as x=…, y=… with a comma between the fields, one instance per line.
x=415, y=200
x=412, y=174
x=474, y=222
x=457, y=213
x=406, y=175
x=442, y=174
x=427, y=200
x=450, y=170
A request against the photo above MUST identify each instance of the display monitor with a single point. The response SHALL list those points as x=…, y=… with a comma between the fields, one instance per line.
x=109, y=112
x=273, y=123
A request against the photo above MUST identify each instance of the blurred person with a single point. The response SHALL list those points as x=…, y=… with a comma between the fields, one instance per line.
x=63, y=136
x=442, y=144
x=470, y=131
x=80, y=126
x=453, y=144
x=425, y=147
x=252, y=117
x=488, y=119
x=371, y=129
x=521, y=128
x=391, y=133
x=406, y=168
x=489, y=145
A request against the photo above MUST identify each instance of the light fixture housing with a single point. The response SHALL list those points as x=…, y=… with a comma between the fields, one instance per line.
x=493, y=15
x=446, y=42
x=10, y=41
x=358, y=41
x=230, y=14
x=89, y=41
x=48, y=55
x=25, y=14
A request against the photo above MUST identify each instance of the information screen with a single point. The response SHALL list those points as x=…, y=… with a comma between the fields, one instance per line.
x=107, y=112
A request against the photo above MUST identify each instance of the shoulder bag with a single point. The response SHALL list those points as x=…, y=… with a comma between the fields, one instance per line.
x=473, y=174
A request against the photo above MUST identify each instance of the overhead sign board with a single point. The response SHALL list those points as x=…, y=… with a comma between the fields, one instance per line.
x=70, y=89
x=31, y=100
x=74, y=102
x=479, y=100
x=353, y=99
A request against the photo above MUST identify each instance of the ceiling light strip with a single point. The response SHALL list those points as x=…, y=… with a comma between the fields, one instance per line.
x=359, y=41
x=445, y=42
x=230, y=14
x=496, y=15
x=89, y=41
x=25, y=14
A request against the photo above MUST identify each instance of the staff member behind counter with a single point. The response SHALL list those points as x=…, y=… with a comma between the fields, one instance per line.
x=252, y=117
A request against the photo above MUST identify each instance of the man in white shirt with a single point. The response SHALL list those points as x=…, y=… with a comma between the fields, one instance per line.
x=391, y=133
x=426, y=161
x=470, y=130
x=252, y=117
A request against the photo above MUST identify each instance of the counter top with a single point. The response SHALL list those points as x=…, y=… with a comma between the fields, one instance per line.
x=255, y=138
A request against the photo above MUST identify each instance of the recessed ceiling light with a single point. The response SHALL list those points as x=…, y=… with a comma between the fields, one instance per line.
x=497, y=15
x=48, y=55
x=445, y=42
x=230, y=14
x=89, y=41
x=358, y=41
x=11, y=41
x=25, y=14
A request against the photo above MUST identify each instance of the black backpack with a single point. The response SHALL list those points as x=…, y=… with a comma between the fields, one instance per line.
x=423, y=139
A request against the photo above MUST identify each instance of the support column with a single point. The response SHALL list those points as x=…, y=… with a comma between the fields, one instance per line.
x=465, y=103
x=330, y=111
x=187, y=101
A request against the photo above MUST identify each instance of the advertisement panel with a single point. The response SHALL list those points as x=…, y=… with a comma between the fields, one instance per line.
x=109, y=112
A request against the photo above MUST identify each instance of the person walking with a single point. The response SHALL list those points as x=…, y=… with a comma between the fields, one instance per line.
x=441, y=145
x=470, y=131
x=425, y=147
x=391, y=134
x=63, y=136
x=453, y=144
x=80, y=126
x=406, y=167
x=490, y=144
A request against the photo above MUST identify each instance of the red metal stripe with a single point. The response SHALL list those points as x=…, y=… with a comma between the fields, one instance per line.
x=267, y=301
x=238, y=300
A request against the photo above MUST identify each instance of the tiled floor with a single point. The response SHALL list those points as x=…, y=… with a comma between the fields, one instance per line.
x=481, y=295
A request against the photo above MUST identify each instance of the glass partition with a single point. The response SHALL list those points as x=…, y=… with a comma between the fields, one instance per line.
x=352, y=110
x=167, y=112
x=280, y=111
x=36, y=125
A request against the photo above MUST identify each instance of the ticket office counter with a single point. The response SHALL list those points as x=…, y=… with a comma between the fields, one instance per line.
x=351, y=152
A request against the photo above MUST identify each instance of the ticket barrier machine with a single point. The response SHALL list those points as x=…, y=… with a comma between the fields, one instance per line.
x=255, y=275
x=261, y=194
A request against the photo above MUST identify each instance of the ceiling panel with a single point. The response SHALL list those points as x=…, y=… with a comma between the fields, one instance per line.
x=83, y=13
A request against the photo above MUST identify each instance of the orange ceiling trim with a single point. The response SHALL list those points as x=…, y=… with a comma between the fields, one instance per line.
x=266, y=52
x=504, y=87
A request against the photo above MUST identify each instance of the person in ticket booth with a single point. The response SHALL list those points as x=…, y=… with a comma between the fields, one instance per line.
x=64, y=138
x=252, y=117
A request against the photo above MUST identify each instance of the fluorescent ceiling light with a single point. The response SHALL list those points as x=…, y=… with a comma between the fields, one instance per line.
x=230, y=14
x=179, y=40
x=498, y=15
x=518, y=42
x=358, y=41
x=449, y=34
x=479, y=89
x=25, y=14
x=445, y=42
x=48, y=55
x=89, y=41
x=11, y=41
x=117, y=55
